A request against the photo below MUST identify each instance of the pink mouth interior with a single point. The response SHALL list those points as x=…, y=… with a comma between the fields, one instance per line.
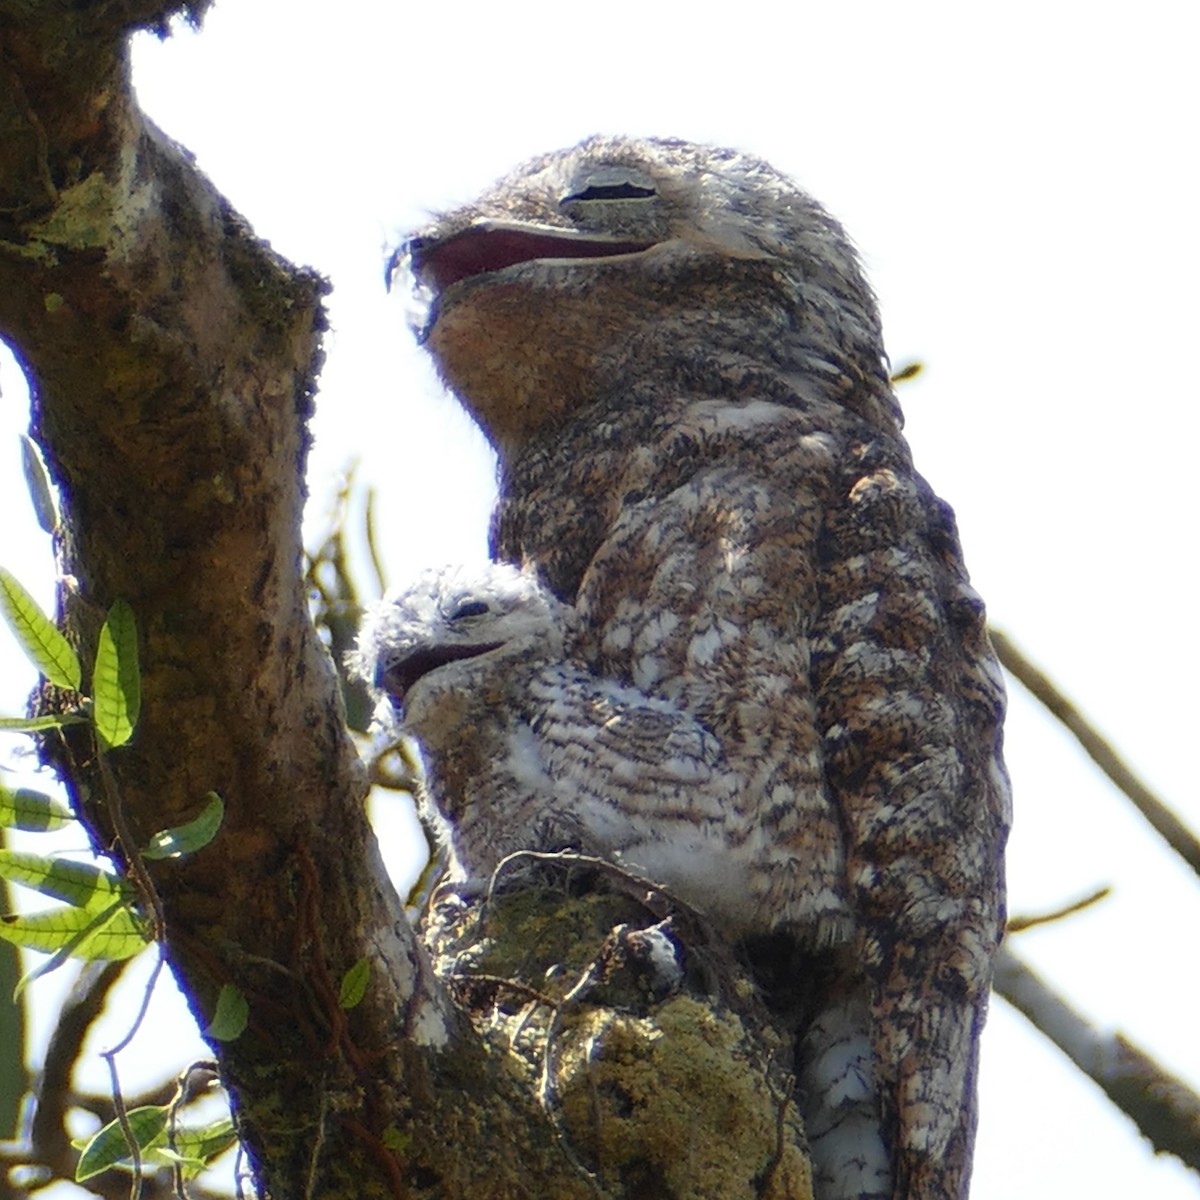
x=476, y=251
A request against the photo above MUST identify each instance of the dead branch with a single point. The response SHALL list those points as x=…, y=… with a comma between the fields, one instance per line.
x=1165, y=1109
x=1169, y=827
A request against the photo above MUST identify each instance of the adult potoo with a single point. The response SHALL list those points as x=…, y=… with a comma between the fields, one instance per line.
x=674, y=353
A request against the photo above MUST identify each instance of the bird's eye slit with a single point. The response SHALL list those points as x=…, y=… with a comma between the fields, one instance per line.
x=610, y=191
x=470, y=608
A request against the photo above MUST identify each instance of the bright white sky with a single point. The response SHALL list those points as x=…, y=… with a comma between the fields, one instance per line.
x=1022, y=183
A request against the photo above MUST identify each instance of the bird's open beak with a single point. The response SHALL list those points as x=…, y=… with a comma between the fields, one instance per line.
x=438, y=263
x=400, y=674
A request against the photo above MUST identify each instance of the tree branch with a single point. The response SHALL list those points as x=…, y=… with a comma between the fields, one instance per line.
x=172, y=360
x=1173, y=831
x=1165, y=1109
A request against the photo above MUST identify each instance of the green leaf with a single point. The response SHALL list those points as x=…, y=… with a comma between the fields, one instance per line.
x=116, y=686
x=231, y=1016
x=111, y=934
x=34, y=811
x=112, y=945
x=39, y=636
x=109, y=1148
x=194, y=1149
x=38, y=485
x=81, y=884
x=354, y=984
x=33, y=724
x=190, y=837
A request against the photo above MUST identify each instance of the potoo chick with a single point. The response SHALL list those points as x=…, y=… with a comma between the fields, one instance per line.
x=525, y=749
x=674, y=352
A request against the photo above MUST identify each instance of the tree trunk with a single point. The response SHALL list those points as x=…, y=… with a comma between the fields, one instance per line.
x=172, y=359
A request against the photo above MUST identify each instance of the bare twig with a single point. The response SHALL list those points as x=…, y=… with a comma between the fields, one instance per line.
x=1020, y=924
x=372, y=545
x=50, y=1142
x=908, y=371
x=782, y=1097
x=549, y=1089
x=135, y=865
x=514, y=985
x=110, y=1058
x=1165, y=822
x=1164, y=1109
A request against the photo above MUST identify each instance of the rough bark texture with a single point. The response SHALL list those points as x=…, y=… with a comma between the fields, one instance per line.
x=172, y=359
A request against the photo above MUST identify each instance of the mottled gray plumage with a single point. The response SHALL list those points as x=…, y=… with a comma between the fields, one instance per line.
x=526, y=750
x=680, y=365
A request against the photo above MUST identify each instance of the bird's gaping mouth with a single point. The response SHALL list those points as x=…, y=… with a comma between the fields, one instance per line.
x=399, y=675
x=492, y=246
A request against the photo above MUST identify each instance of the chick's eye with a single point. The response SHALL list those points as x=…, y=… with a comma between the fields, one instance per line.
x=469, y=608
x=611, y=191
